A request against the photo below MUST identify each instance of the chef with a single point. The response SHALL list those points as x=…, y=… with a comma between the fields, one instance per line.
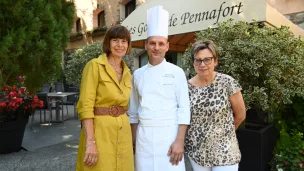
x=159, y=104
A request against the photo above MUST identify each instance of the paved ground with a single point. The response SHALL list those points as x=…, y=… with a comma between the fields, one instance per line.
x=50, y=148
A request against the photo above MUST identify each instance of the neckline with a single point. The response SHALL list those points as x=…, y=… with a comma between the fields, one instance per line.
x=207, y=85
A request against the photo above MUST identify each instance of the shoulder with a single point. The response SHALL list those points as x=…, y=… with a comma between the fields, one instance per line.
x=139, y=71
x=174, y=68
x=225, y=77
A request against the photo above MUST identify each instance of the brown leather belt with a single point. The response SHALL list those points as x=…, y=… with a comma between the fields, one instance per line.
x=114, y=111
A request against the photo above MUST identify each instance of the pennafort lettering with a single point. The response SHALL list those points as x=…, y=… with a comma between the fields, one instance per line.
x=210, y=15
x=188, y=18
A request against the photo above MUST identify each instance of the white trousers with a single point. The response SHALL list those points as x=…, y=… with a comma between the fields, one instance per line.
x=152, y=146
x=197, y=167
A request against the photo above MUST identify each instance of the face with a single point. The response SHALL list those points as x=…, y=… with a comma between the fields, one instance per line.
x=156, y=47
x=118, y=47
x=204, y=62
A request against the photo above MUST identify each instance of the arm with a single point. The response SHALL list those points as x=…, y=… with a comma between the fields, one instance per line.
x=183, y=118
x=133, y=129
x=238, y=108
x=85, y=107
x=133, y=112
x=176, y=150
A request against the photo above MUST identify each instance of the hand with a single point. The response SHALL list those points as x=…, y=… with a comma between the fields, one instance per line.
x=91, y=154
x=176, y=151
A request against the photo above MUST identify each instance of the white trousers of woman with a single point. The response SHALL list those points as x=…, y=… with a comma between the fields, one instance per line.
x=197, y=167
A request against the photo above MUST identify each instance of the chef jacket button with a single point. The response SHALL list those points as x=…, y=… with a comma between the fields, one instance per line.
x=120, y=128
x=118, y=155
x=118, y=142
x=121, y=92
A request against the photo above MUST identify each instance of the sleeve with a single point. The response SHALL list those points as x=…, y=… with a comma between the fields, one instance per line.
x=133, y=104
x=233, y=86
x=88, y=87
x=182, y=96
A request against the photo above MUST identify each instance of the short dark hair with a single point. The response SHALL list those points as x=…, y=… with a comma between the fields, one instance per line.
x=116, y=32
x=200, y=45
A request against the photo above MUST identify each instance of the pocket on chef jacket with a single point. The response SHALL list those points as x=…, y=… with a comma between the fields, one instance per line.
x=168, y=85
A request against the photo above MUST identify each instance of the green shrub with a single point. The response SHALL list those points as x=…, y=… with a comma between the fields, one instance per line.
x=289, y=152
x=267, y=62
x=293, y=115
x=79, y=59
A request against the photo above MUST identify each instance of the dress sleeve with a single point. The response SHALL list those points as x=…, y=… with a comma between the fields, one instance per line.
x=182, y=96
x=88, y=87
x=133, y=104
x=233, y=86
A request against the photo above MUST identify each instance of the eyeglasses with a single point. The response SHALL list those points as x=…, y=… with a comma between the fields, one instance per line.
x=207, y=61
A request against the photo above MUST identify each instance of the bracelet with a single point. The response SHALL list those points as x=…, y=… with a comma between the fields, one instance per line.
x=93, y=142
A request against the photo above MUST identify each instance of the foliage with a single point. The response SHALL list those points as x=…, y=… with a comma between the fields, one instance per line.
x=292, y=116
x=97, y=29
x=14, y=98
x=79, y=59
x=33, y=35
x=267, y=62
x=289, y=152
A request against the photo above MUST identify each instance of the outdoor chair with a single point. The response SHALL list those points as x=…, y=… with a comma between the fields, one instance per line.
x=46, y=87
x=47, y=106
x=71, y=100
x=59, y=87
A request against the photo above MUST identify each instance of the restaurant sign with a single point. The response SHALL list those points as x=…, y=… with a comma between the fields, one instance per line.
x=195, y=15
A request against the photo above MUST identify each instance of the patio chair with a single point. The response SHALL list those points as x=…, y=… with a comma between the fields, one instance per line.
x=59, y=87
x=71, y=100
x=46, y=88
x=47, y=106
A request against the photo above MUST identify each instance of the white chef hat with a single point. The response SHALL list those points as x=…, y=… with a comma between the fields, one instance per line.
x=157, y=21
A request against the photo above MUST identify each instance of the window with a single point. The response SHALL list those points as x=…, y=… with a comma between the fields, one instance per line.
x=297, y=18
x=130, y=7
x=78, y=25
x=101, y=19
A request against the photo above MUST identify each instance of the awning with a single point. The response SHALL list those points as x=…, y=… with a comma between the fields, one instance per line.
x=189, y=16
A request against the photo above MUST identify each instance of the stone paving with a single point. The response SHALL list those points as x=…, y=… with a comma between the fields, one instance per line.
x=50, y=148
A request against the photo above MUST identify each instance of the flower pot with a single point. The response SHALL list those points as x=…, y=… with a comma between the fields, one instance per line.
x=256, y=142
x=11, y=134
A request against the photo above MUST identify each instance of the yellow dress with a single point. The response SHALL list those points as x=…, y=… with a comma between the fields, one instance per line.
x=100, y=88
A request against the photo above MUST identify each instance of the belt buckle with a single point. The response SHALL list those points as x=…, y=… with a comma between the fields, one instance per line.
x=114, y=111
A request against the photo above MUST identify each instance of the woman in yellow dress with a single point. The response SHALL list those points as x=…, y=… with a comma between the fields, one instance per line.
x=105, y=138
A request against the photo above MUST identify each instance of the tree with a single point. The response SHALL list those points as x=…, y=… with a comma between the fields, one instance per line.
x=33, y=34
x=268, y=62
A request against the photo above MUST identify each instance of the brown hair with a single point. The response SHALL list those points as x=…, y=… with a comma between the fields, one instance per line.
x=200, y=45
x=116, y=32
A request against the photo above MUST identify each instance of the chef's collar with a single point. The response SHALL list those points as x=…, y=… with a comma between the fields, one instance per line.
x=158, y=65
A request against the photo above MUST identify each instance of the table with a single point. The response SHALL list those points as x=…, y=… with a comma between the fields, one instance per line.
x=61, y=96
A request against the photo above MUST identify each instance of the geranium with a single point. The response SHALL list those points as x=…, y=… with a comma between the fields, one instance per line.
x=17, y=98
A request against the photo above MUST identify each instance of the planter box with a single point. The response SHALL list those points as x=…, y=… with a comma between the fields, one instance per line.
x=98, y=33
x=256, y=143
x=11, y=134
x=76, y=38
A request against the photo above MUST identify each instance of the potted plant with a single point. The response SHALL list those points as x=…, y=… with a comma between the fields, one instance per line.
x=16, y=105
x=98, y=31
x=268, y=64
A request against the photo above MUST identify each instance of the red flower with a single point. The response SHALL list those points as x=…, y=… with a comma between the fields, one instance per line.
x=2, y=104
x=285, y=163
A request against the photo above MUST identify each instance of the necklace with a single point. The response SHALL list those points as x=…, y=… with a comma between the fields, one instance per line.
x=118, y=70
